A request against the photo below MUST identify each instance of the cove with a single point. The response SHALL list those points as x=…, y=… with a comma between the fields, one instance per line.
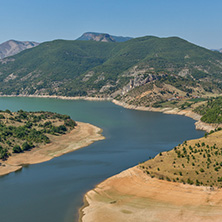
x=53, y=190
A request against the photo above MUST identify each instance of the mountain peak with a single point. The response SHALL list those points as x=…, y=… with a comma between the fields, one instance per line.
x=12, y=47
x=102, y=37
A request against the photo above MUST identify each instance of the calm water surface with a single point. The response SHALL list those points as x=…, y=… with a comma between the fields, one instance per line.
x=53, y=191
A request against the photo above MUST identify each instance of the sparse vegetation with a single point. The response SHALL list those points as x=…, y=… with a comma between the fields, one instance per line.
x=196, y=162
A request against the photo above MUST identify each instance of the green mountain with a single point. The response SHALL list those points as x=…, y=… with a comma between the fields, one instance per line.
x=166, y=67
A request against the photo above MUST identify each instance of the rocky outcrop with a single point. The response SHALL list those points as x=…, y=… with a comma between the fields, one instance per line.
x=206, y=126
x=139, y=80
x=13, y=47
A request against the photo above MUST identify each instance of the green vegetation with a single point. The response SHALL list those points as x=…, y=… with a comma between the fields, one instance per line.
x=22, y=131
x=211, y=111
x=80, y=68
x=196, y=162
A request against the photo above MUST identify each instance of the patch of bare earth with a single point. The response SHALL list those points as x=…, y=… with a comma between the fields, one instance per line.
x=133, y=196
x=83, y=135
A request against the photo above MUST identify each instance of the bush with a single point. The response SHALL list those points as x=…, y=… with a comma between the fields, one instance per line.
x=4, y=154
x=17, y=149
x=201, y=170
x=2, y=116
x=26, y=146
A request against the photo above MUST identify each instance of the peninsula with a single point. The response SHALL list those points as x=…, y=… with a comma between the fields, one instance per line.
x=35, y=137
x=175, y=186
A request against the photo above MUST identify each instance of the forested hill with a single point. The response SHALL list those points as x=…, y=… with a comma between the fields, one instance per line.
x=90, y=68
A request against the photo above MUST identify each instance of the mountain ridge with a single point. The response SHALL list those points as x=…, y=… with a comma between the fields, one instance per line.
x=13, y=47
x=102, y=37
x=145, y=71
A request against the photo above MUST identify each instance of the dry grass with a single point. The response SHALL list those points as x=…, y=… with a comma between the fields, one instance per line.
x=197, y=162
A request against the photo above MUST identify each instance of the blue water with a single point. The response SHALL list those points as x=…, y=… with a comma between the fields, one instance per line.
x=53, y=191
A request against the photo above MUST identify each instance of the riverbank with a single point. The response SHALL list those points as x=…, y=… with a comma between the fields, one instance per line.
x=88, y=98
x=199, y=124
x=83, y=135
x=134, y=196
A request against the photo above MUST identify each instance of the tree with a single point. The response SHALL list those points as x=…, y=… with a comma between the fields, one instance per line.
x=17, y=149
x=26, y=146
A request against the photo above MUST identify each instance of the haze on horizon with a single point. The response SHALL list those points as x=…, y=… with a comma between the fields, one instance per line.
x=36, y=20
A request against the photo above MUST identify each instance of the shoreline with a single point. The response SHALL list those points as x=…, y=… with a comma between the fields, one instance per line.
x=88, y=98
x=199, y=125
x=87, y=208
x=81, y=136
x=133, y=196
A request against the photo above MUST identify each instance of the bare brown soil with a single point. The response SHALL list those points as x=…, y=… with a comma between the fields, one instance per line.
x=133, y=196
x=83, y=135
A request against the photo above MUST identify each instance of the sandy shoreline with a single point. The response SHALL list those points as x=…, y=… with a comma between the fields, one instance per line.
x=134, y=196
x=83, y=135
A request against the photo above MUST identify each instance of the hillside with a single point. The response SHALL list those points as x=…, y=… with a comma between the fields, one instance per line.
x=195, y=162
x=219, y=50
x=12, y=47
x=142, y=71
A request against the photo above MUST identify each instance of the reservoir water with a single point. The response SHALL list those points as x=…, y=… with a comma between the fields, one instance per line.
x=53, y=191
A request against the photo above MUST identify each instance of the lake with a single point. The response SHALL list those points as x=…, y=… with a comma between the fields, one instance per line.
x=53, y=191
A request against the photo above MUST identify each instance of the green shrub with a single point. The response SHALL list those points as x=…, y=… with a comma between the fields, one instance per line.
x=17, y=149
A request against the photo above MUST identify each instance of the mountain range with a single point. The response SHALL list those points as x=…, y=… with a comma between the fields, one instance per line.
x=139, y=71
x=12, y=47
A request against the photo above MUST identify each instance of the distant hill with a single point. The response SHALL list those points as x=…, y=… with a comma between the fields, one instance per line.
x=103, y=37
x=219, y=50
x=13, y=47
x=142, y=71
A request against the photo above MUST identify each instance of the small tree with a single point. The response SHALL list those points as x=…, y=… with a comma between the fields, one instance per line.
x=26, y=146
x=17, y=149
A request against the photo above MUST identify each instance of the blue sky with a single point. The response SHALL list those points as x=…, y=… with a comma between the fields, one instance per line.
x=198, y=21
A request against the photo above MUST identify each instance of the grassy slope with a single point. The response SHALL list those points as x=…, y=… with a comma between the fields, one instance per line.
x=197, y=162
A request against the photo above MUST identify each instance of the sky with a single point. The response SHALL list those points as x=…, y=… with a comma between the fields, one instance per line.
x=198, y=21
